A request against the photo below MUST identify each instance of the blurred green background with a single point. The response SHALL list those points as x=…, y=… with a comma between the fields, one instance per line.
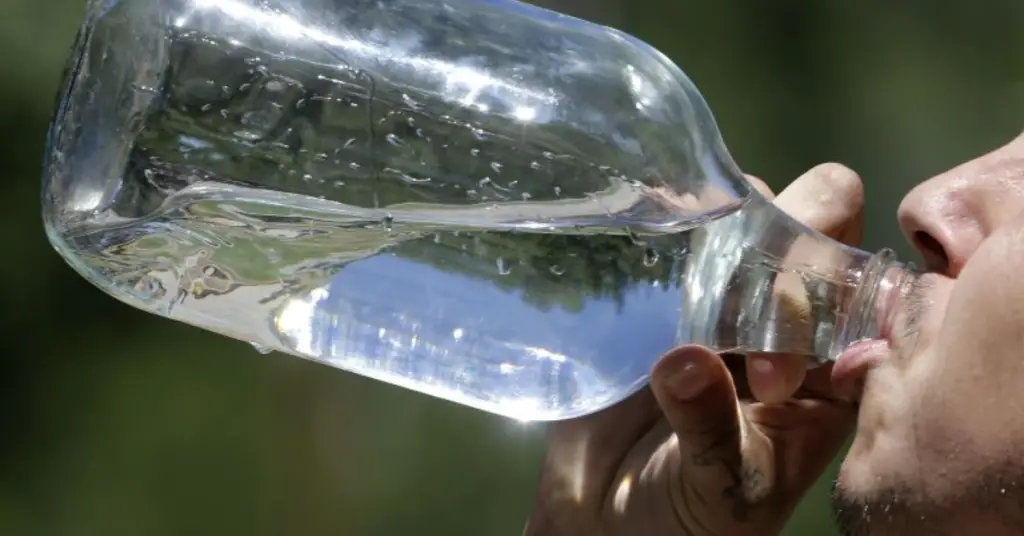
x=117, y=423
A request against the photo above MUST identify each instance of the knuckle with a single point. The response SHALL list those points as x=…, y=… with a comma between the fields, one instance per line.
x=838, y=184
x=761, y=186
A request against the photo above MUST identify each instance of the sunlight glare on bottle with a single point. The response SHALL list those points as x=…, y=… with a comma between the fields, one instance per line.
x=479, y=200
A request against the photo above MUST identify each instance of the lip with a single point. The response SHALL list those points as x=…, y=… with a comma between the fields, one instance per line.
x=855, y=361
x=885, y=314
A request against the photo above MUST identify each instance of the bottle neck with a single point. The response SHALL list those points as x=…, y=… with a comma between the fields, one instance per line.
x=871, y=312
x=760, y=281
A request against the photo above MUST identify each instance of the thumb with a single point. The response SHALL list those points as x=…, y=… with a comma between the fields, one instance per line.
x=721, y=453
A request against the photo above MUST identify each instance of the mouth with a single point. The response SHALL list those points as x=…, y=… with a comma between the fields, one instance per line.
x=896, y=319
x=852, y=367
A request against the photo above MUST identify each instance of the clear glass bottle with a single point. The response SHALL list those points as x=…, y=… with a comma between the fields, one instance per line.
x=481, y=200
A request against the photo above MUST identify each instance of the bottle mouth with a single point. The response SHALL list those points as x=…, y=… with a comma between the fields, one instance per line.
x=875, y=305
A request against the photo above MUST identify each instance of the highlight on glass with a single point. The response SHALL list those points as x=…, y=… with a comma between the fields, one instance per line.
x=480, y=200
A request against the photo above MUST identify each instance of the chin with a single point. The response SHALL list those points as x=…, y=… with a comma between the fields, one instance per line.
x=884, y=487
x=872, y=498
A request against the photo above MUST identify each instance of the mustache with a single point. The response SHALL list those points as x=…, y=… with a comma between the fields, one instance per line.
x=916, y=303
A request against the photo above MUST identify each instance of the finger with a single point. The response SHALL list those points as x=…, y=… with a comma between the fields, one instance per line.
x=762, y=187
x=830, y=199
x=717, y=446
x=773, y=378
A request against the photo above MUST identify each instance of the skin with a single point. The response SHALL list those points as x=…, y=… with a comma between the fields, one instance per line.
x=722, y=446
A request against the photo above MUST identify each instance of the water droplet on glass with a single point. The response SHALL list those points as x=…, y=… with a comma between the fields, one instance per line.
x=650, y=258
x=556, y=269
x=409, y=101
x=503, y=269
x=145, y=89
x=408, y=179
x=395, y=140
x=261, y=348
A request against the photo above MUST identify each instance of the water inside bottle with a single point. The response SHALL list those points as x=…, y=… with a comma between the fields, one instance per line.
x=304, y=213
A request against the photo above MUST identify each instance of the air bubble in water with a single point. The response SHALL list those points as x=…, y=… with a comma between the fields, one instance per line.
x=556, y=269
x=263, y=349
x=388, y=222
x=650, y=258
x=496, y=166
x=474, y=152
x=395, y=140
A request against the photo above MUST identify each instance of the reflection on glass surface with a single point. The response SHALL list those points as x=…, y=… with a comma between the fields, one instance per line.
x=478, y=199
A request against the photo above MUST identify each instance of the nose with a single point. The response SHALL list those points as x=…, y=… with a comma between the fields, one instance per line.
x=947, y=217
x=942, y=219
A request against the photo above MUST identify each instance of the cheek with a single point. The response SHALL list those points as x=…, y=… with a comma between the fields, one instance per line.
x=968, y=386
x=934, y=419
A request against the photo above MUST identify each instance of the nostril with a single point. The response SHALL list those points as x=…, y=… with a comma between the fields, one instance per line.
x=934, y=255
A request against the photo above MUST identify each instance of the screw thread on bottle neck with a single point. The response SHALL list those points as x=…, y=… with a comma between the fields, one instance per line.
x=872, y=310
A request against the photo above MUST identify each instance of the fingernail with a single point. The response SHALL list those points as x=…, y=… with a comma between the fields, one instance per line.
x=688, y=381
x=761, y=365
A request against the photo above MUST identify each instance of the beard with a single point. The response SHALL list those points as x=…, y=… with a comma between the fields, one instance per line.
x=988, y=503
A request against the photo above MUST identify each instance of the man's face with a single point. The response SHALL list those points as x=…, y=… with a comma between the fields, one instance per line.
x=940, y=438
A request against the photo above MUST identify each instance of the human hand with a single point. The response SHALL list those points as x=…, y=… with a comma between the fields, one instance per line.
x=717, y=446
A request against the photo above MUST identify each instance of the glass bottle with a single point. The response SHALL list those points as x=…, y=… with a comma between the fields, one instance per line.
x=480, y=200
